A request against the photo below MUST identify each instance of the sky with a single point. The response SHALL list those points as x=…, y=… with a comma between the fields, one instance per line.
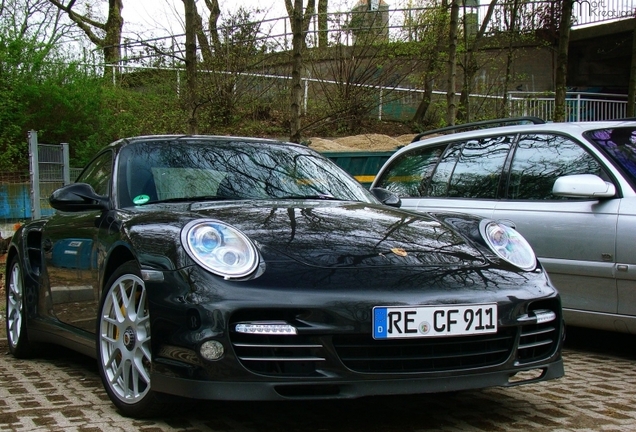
x=163, y=16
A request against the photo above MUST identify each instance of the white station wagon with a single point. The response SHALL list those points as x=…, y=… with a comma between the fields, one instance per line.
x=568, y=188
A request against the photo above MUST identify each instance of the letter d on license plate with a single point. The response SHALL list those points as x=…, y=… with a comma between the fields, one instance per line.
x=434, y=321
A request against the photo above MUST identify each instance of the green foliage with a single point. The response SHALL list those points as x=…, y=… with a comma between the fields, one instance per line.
x=65, y=103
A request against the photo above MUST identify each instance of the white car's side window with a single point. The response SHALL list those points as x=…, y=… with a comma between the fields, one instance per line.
x=462, y=169
x=409, y=175
x=542, y=158
x=472, y=170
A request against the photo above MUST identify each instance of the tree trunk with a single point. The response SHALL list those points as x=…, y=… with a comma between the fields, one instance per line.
x=191, y=63
x=215, y=13
x=297, y=63
x=451, y=106
x=429, y=75
x=509, y=57
x=110, y=43
x=471, y=67
x=562, y=61
x=323, y=24
x=422, y=108
x=300, y=25
x=204, y=43
x=112, y=39
x=631, y=93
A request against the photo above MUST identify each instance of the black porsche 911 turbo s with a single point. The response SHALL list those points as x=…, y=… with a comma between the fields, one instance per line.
x=247, y=269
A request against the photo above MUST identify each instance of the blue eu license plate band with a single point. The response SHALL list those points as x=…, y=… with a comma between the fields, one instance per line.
x=379, y=323
x=434, y=321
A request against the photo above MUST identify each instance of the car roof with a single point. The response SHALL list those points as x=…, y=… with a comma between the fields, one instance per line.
x=572, y=128
x=198, y=138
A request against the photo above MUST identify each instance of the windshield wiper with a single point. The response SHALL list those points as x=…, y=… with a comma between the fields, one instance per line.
x=322, y=196
x=194, y=198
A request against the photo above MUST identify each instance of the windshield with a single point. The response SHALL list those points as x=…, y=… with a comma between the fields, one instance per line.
x=618, y=144
x=214, y=169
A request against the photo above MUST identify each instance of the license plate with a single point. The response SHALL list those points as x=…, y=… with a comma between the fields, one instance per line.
x=433, y=321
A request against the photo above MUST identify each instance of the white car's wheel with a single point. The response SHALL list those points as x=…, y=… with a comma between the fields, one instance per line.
x=16, y=327
x=123, y=344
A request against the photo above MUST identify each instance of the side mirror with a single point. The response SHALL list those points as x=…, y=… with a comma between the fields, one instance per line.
x=583, y=186
x=77, y=197
x=386, y=197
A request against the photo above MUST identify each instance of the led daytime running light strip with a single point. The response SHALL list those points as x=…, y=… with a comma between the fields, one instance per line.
x=277, y=328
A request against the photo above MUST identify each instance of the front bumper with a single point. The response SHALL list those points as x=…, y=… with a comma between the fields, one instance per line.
x=342, y=389
x=334, y=355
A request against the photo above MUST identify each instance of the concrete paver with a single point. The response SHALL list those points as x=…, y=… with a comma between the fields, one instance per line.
x=62, y=391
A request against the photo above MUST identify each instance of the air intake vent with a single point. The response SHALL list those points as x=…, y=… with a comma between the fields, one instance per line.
x=538, y=341
x=278, y=355
x=364, y=354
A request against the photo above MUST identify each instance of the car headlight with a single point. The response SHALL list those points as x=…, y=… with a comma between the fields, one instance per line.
x=219, y=248
x=509, y=245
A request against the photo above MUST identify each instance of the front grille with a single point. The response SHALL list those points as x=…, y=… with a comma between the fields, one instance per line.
x=278, y=355
x=537, y=341
x=364, y=354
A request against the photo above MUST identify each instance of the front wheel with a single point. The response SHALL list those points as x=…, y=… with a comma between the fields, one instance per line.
x=16, y=325
x=123, y=345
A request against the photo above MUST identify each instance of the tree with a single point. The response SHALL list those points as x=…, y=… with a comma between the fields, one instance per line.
x=451, y=104
x=191, y=64
x=235, y=49
x=631, y=92
x=40, y=87
x=565, y=25
x=299, y=25
x=34, y=20
x=424, y=30
x=323, y=23
x=105, y=35
x=472, y=43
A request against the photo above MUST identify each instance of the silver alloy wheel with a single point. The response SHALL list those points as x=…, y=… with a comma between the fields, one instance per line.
x=125, y=339
x=15, y=305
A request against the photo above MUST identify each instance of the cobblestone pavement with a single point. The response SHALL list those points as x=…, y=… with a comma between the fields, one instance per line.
x=61, y=392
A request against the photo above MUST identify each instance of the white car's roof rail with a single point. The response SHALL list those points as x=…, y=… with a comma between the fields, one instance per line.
x=481, y=125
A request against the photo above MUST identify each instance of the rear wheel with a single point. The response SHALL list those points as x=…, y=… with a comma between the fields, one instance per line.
x=16, y=325
x=123, y=345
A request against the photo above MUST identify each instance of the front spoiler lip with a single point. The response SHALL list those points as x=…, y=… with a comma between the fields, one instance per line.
x=344, y=389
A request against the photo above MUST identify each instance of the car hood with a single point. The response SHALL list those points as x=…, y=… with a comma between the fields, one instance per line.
x=338, y=234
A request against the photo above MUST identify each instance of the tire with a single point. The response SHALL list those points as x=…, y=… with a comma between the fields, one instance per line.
x=16, y=320
x=123, y=346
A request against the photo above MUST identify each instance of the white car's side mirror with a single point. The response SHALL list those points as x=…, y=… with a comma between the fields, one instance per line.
x=583, y=186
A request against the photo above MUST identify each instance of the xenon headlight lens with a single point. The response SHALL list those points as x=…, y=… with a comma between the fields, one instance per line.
x=219, y=248
x=509, y=245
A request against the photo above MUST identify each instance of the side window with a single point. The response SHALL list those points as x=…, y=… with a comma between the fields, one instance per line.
x=471, y=169
x=98, y=173
x=540, y=159
x=408, y=175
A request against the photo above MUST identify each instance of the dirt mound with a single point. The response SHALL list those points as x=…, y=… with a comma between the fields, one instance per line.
x=322, y=145
x=364, y=142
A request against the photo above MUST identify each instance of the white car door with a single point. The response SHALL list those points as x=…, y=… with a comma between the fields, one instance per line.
x=575, y=239
x=626, y=257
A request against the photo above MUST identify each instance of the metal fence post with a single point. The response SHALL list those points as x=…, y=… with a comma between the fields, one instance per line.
x=34, y=174
x=66, y=164
x=306, y=94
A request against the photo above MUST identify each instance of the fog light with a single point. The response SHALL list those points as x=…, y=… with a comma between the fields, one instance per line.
x=266, y=328
x=211, y=350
